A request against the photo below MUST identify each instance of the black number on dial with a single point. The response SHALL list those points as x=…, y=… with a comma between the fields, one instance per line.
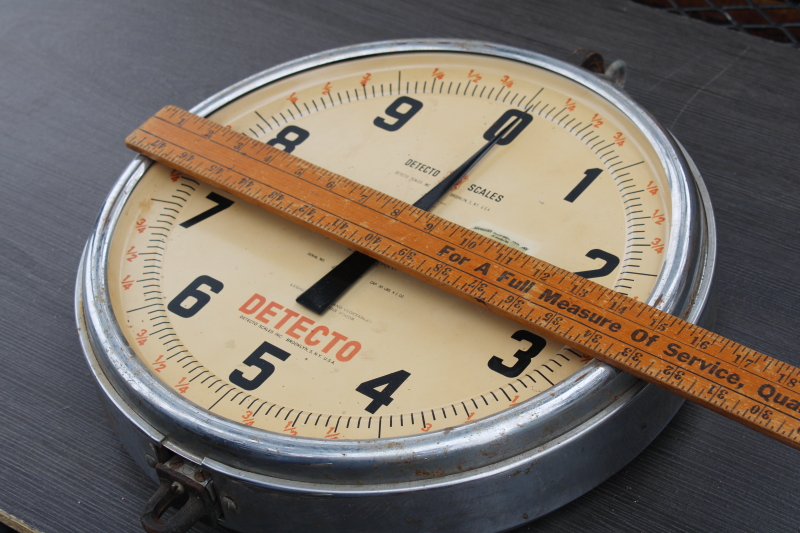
x=254, y=360
x=611, y=260
x=501, y=123
x=523, y=356
x=382, y=397
x=222, y=204
x=588, y=177
x=401, y=116
x=298, y=136
x=193, y=292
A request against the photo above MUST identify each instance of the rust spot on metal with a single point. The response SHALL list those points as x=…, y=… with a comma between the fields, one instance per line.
x=430, y=473
x=588, y=59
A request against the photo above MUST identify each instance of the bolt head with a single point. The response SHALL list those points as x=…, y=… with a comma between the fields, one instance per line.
x=151, y=461
x=177, y=488
x=228, y=504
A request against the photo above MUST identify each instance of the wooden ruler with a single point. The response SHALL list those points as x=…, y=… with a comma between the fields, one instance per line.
x=749, y=387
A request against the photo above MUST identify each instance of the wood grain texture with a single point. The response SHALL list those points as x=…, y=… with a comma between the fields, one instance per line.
x=78, y=76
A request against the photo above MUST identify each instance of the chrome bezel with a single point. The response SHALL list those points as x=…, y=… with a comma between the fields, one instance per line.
x=384, y=466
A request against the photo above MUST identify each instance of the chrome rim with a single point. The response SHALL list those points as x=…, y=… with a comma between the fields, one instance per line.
x=575, y=403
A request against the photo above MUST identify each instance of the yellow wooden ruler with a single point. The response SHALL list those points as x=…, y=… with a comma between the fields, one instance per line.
x=752, y=388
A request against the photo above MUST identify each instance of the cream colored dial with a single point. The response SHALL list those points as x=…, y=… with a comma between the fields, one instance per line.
x=204, y=285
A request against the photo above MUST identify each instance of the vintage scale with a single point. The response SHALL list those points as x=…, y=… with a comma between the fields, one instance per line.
x=402, y=407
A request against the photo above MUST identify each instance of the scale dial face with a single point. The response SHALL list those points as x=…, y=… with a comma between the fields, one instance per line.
x=203, y=284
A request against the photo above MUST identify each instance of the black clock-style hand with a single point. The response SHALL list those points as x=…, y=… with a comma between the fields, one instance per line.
x=322, y=294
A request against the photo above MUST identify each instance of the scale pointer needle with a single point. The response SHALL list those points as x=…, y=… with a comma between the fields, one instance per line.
x=322, y=294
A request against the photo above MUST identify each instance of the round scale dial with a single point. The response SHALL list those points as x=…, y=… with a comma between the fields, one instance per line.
x=204, y=284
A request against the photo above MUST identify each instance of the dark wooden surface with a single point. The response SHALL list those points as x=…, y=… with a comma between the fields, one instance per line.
x=76, y=77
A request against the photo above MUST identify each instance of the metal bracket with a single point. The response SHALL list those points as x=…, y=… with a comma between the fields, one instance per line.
x=185, y=486
x=616, y=72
